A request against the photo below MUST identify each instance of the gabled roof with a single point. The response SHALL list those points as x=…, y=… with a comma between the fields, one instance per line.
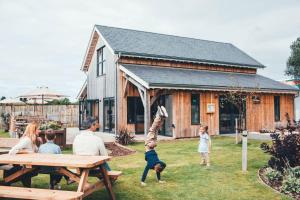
x=177, y=78
x=161, y=46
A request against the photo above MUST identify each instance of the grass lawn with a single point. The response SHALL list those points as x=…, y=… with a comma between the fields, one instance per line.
x=3, y=134
x=186, y=179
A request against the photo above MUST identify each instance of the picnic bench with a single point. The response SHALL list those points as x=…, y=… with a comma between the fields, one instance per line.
x=62, y=162
x=6, y=144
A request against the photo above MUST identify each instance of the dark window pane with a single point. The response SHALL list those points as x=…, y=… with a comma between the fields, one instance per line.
x=130, y=110
x=195, y=109
x=135, y=110
x=277, y=108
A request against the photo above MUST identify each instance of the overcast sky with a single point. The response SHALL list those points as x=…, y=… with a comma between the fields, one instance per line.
x=42, y=43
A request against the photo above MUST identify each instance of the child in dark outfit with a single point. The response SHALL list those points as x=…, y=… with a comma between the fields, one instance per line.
x=151, y=157
x=153, y=162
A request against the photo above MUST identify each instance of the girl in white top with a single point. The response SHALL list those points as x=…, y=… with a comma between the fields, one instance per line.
x=28, y=140
x=204, y=145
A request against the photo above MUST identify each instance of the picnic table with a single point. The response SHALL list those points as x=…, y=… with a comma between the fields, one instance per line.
x=63, y=162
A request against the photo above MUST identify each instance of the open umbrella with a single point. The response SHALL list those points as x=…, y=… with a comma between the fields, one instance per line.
x=43, y=93
x=12, y=102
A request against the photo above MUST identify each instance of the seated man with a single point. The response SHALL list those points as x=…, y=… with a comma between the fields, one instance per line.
x=87, y=143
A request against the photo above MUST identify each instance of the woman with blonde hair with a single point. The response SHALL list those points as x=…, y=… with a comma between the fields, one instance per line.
x=28, y=142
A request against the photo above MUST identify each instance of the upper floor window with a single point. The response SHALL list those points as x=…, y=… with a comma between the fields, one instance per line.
x=100, y=62
x=277, y=108
x=195, y=109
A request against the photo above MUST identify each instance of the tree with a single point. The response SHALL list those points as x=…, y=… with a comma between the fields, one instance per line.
x=64, y=101
x=2, y=98
x=293, y=63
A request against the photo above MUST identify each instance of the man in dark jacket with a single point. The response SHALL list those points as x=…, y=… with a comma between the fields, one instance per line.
x=153, y=162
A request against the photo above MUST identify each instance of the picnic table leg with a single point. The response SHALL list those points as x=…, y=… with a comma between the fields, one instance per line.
x=107, y=182
x=83, y=180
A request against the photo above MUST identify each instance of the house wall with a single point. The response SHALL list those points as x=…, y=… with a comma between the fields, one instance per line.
x=261, y=116
x=164, y=63
x=258, y=116
x=104, y=85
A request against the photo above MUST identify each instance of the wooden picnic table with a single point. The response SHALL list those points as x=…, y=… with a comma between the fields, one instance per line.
x=4, y=150
x=84, y=164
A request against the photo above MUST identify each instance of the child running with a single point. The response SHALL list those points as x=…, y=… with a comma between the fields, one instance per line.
x=204, y=145
x=151, y=156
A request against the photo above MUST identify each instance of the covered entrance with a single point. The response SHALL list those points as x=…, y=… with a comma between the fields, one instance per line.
x=166, y=101
x=228, y=113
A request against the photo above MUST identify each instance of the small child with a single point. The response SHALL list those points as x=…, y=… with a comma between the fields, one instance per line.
x=204, y=145
x=158, y=121
x=153, y=162
x=50, y=148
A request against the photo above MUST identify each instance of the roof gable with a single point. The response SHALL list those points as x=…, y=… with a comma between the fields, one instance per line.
x=156, y=45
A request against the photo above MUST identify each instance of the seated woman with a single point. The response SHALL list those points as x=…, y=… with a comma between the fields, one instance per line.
x=28, y=144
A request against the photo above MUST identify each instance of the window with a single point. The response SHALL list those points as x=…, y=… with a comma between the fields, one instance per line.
x=195, y=109
x=277, y=108
x=135, y=110
x=100, y=62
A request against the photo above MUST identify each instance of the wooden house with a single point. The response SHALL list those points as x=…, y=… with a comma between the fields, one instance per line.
x=130, y=72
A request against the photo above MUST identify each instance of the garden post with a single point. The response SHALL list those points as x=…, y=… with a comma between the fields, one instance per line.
x=244, y=151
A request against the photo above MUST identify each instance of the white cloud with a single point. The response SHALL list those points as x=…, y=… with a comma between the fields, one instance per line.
x=43, y=42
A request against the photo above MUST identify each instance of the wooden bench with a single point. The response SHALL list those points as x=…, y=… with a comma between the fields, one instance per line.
x=113, y=175
x=32, y=193
x=8, y=142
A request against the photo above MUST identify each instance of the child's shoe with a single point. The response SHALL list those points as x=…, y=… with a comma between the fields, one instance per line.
x=162, y=182
x=208, y=164
x=164, y=111
x=143, y=184
x=57, y=187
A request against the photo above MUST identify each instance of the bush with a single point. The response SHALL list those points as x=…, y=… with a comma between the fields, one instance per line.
x=124, y=138
x=285, y=151
x=291, y=185
x=296, y=171
x=273, y=175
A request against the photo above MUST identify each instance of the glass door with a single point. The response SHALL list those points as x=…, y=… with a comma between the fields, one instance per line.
x=108, y=114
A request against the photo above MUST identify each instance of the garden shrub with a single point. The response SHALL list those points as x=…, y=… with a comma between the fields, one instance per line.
x=124, y=138
x=273, y=175
x=296, y=171
x=285, y=148
x=291, y=185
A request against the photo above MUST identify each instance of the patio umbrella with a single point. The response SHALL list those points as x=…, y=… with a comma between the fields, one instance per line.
x=43, y=93
x=12, y=102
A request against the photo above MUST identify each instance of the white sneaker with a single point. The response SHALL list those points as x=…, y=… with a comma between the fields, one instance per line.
x=57, y=187
x=164, y=111
x=162, y=182
x=143, y=184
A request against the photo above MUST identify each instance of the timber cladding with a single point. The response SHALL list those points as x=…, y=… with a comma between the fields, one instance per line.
x=261, y=116
x=258, y=115
x=185, y=65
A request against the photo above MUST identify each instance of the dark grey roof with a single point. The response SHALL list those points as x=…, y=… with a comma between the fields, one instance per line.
x=147, y=44
x=188, y=78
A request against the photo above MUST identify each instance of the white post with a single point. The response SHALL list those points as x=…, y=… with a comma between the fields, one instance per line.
x=244, y=151
x=236, y=131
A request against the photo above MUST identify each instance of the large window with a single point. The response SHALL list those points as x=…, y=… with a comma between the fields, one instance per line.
x=195, y=109
x=277, y=108
x=135, y=110
x=100, y=62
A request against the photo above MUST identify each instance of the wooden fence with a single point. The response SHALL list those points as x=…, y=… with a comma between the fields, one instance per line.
x=67, y=114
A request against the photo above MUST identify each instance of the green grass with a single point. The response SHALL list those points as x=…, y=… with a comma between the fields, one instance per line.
x=186, y=179
x=3, y=134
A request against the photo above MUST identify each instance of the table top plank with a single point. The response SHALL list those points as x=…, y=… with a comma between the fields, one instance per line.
x=55, y=160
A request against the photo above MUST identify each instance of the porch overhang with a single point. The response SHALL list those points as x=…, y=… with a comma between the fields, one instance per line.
x=155, y=77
